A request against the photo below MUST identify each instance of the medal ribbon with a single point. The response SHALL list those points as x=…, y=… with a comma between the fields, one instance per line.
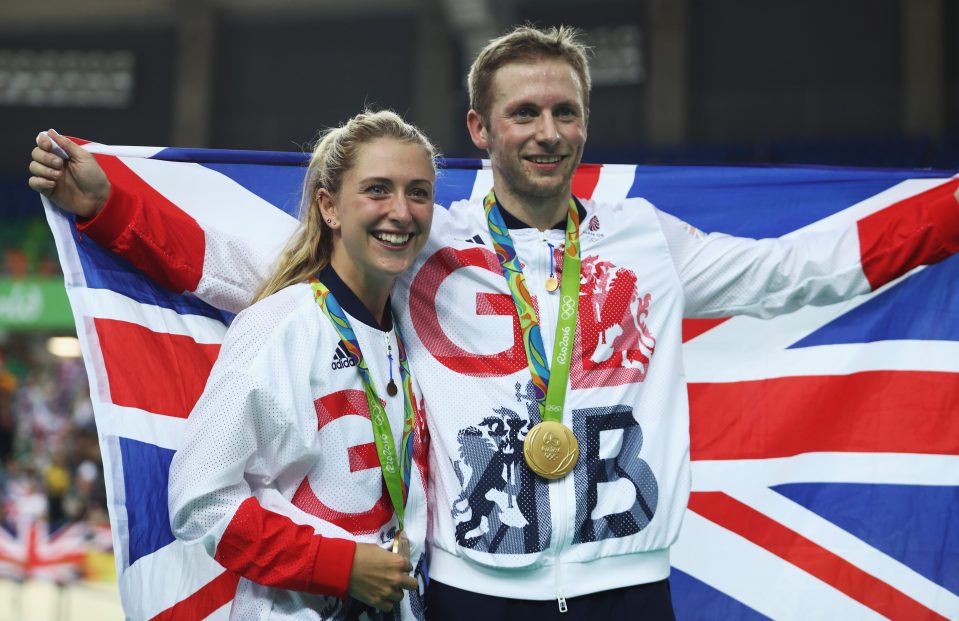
x=396, y=472
x=549, y=395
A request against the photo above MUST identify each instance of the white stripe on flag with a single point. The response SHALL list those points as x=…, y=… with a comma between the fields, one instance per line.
x=869, y=468
x=615, y=181
x=180, y=568
x=107, y=304
x=483, y=182
x=849, y=547
x=122, y=150
x=871, y=205
x=66, y=249
x=725, y=561
x=748, y=335
x=218, y=202
x=714, y=364
x=136, y=424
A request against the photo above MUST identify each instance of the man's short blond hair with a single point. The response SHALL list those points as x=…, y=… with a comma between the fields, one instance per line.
x=524, y=44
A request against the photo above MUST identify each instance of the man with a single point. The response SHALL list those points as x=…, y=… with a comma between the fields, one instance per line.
x=525, y=524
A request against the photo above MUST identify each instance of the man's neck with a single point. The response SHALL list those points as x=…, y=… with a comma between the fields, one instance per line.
x=539, y=214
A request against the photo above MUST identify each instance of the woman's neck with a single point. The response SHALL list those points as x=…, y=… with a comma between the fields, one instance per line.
x=373, y=293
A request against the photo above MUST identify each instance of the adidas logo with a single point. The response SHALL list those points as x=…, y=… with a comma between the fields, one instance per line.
x=342, y=358
x=476, y=239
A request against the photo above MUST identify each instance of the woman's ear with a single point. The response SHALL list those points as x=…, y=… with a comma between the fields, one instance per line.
x=327, y=207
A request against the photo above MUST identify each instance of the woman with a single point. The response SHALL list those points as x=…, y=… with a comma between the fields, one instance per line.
x=279, y=476
x=276, y=477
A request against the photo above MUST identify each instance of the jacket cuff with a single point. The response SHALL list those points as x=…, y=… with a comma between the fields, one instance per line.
x=116, y=216
x=332, y=566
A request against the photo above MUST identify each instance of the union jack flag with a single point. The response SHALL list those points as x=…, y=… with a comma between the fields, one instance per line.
x=825, y=443
x=30, y=551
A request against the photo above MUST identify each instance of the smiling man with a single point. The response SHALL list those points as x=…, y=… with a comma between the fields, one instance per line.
x=560, y=466
x=545, y=333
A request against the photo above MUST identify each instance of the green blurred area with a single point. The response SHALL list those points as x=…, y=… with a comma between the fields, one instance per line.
x=32, y=295
x=27, y=248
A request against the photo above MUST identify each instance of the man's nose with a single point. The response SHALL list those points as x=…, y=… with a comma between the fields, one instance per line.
x=547, y=132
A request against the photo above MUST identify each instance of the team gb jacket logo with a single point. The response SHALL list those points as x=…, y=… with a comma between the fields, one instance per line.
x=614, y=344
x=499, y=507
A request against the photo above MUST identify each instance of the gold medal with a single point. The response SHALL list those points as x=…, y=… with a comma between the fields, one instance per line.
x=551, y=450
x=552, y=284
x=401, y=545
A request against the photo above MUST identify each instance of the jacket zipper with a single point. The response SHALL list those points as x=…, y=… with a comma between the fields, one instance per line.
x=561, y=512
x=560, y=590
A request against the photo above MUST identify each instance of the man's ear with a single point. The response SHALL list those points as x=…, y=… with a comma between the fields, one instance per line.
x=477, y=127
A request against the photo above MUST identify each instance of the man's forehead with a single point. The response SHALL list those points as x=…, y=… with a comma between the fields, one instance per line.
x=536, y=64
x=531, y=73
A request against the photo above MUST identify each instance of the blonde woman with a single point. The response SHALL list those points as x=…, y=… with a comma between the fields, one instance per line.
x=252, y=481
x=309, y=379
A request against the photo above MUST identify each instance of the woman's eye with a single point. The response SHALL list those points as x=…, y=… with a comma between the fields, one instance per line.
x=421, y=194
x=377, y=189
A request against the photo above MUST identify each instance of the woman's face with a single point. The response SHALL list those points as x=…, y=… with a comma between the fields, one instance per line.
x=382, y=213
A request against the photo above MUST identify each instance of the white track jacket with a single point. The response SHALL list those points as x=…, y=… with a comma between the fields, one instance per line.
x=278, y=476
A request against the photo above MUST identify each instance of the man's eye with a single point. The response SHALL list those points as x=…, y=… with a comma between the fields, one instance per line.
x=524, y=113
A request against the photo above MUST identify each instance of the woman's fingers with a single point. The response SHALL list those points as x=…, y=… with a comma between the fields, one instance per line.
x=378, y=577
x=46, y=158
x=67, y=147
x=42, y=185
x=409, y=583
x=39, y=169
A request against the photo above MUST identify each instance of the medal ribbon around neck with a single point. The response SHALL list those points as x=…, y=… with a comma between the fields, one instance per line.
x=550, y=395
x=396, y=472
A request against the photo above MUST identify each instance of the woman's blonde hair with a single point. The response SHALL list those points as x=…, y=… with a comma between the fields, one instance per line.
x=310, y=248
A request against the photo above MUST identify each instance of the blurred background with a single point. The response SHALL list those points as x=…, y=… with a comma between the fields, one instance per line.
x=839, y=82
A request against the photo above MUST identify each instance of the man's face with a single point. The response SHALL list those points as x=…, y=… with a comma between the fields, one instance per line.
x=536, y=129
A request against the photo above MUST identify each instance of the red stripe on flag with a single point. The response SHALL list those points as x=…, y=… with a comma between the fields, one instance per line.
x=204, y=601
x=920, y=229
x=585, y=180
x=153, y=371
x=812, y=558
x=876, y=411
x=694, y=327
